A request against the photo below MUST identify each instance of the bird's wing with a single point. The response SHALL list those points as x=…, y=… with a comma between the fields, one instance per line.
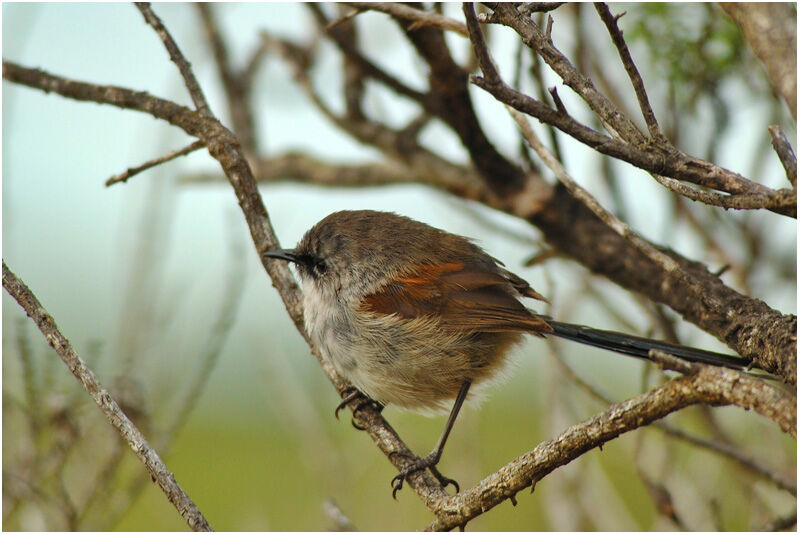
x=467, y=297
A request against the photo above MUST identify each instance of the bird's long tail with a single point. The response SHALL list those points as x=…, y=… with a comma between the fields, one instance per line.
x=640, y=347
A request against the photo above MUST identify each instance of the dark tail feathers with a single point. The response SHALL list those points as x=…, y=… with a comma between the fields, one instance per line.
x=640, y=347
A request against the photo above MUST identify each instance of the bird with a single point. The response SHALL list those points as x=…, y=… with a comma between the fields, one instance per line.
x=420, y=318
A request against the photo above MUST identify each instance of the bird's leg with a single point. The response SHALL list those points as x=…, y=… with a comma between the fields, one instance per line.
x=432, y=459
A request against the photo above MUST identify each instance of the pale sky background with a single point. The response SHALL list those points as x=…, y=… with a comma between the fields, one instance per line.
x=73, y=241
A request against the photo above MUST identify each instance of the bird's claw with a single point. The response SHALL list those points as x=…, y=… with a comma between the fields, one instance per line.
x=352, y=394
x=420, y=463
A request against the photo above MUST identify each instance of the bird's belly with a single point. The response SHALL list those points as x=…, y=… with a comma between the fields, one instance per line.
x=413, y=366
x=409, y=363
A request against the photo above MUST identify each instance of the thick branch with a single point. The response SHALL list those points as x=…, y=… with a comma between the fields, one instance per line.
x=747, y=325
x=138, y=443
x=711, y=385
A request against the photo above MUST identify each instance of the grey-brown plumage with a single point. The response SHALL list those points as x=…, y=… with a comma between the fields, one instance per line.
x=415, y=316
x=406, y=312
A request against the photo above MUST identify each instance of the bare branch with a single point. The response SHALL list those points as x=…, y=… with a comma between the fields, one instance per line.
x=138, y=443
x=783, y=200
x=710, y=385
x=630, y=67
x=744, y=460
x=654, y=155
x=224, y=147
x=177, y=57
x=450, y=101
x=784, y=149
x=131, y=171
x=368, y=67
x=529, y=8
x=237, y=89
x=419, y=17
x=719, y=447
x=667, y=263
x=532, y=36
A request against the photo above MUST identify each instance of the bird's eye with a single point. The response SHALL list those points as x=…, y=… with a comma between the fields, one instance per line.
x=319, y=266
x=312, y=264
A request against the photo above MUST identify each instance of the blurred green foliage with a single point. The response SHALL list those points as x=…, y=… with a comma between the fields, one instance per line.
x=692, y=45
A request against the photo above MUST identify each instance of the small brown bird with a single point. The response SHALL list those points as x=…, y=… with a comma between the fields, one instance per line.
x=415, y=316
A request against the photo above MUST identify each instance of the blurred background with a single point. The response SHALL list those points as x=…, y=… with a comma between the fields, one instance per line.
x=157, y=285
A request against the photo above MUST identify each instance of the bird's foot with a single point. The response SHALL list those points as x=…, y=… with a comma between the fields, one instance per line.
x=352, y=394
x=421, y=463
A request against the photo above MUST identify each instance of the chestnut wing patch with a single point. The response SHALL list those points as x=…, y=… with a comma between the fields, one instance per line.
x=465, y=297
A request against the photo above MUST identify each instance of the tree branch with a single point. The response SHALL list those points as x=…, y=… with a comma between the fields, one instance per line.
x=710, y=385
x=419, y=17
x=225, y=148
x=131, y=171
x=630, y=67
x=138, y=443
x=654, y=155
x=237, y=88
x=449, y=100
x=177, y=58
x=747, y=325
x=785, y=152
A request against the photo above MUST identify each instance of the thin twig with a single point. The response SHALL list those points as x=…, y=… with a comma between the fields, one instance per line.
x=784, y=200
x=655, y=156
x=667, y=263
x=335, y=514
x=237, y=92
x=529, y=8
x=347, y=17
x=131, y=171
x=177, y=57
x=744, y=460
x=630, y=67
x=138, y=443
x=420, y=17
x=368, y=67
x=784, y=149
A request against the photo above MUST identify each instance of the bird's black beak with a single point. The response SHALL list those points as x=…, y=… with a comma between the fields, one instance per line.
x=282, y=254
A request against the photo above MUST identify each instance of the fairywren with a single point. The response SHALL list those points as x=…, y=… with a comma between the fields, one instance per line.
x=414, y=316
